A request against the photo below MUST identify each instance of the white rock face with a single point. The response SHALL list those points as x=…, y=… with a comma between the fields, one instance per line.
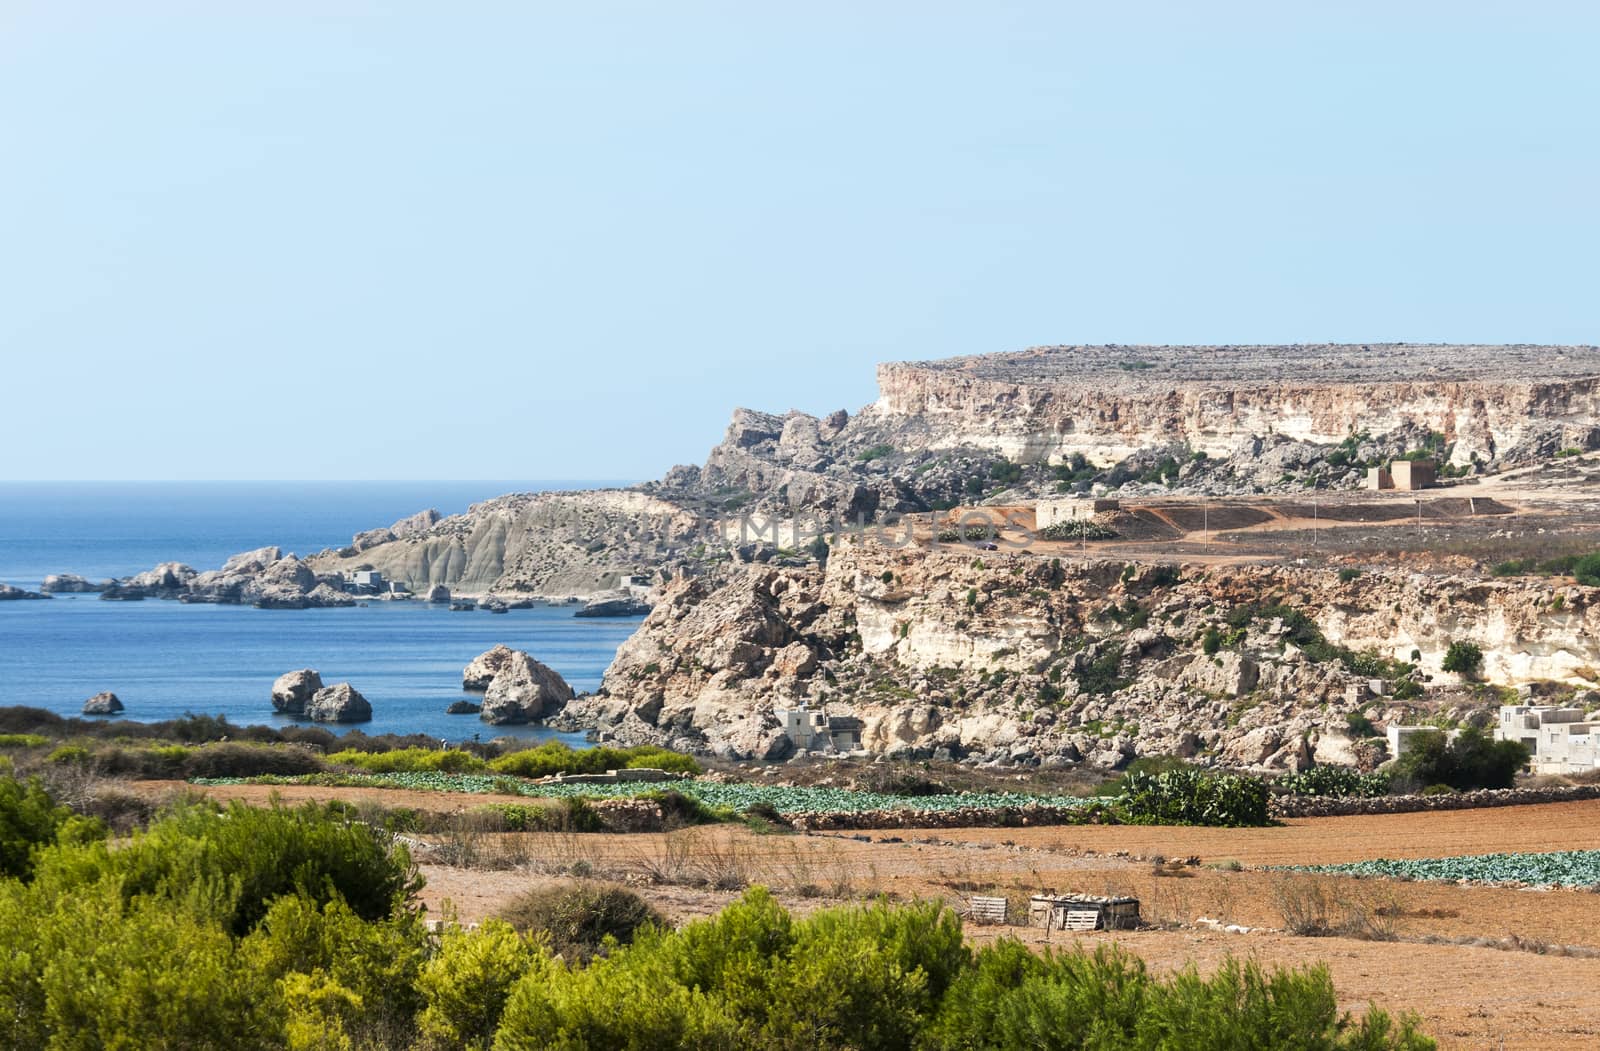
x=292, y=691
x=523, y=690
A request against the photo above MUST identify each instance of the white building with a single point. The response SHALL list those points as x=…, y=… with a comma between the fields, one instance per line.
x=814, y=731
x=1559, y=740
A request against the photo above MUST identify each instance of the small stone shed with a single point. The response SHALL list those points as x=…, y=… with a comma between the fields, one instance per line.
x=1082, y=912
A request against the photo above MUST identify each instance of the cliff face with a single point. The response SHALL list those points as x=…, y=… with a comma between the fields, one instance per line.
x=555, y=544
x=1109, y=402
x=1025, y=659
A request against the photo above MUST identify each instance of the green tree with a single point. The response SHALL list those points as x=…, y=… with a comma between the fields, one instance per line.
x=1464, y=658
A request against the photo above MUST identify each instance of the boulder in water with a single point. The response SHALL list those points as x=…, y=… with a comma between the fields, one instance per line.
x=339, y=703
x=292, y=691
x=102, y=704
x=524, y=690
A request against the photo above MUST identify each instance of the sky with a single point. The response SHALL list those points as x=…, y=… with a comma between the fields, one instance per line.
x=341, y=240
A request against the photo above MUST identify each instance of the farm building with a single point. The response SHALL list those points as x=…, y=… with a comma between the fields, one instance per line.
x=1559, y=740
x=815, y=731
x=1056, y=512
x=1403, y=474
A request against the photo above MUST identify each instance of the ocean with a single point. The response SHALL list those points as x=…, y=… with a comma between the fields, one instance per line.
x=163, y=659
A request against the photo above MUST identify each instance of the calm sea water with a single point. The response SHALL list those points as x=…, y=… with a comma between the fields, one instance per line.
x=165, y=658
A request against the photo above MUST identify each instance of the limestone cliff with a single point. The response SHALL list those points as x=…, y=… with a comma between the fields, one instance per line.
x=1017, y=658
x=1107, y=403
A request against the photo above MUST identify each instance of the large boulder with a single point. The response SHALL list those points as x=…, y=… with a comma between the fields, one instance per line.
x=8, y=593
x=102, y=704
x=252, y=561
x=522, y=691
x=480, y=672
x=168, y=576
x=292, y=691
x=70, y=584
x=437, y=593
x=339, y=703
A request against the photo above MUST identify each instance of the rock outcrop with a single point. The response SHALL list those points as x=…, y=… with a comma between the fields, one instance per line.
x=614, y=607
x=482, y=669
x=15, y=594
x=463, y=708
x=105, y=703
x=292, y=691
x=339, y=703
x=1020, y=659
x=522, y=691
x=72, y=584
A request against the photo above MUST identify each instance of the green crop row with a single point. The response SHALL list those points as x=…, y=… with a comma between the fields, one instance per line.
x=1566, y=868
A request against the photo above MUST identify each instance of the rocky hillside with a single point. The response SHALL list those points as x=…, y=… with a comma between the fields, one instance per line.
x=1025, y=659
x=1008, y=428
x=553, y=544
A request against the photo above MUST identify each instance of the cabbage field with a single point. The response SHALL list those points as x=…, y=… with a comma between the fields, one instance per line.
x=783, y=798
x=1568, y=868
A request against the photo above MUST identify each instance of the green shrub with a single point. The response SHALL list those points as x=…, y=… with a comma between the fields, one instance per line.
x=241, y=859
x=554, y=757
x=1472, y=760
x=29, y=820
x=1360, y=725
x=1587, y=570
x=23, y=741
x=412, y=760
x=1211, y=641
x=467, y=981
x=1464, y=658
x=1348, y=574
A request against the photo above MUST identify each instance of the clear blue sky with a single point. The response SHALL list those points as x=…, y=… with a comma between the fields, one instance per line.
x=521, y=240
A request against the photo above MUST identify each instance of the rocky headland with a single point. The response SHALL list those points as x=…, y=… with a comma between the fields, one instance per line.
x=1135, y=639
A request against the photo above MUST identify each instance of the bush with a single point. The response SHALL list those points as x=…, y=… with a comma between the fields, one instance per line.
x=1359, y=725
x=1587, y=570
x=241, y=859
x=23, y=741
x=466, y=983
x=578, y=920
x=234, y=759
x=553, y=757
x=29, y=820
x=1472, y=760
x=1464, y=658
x=1188, y=795
x=412, y=760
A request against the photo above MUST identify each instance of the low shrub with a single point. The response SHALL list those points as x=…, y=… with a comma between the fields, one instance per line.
x=578, y=919
x=554, y=757
x=23, y=741
x=411, y=760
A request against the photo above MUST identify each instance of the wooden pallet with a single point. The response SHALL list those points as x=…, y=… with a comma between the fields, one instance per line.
x=1082, y=920
x=987, y=910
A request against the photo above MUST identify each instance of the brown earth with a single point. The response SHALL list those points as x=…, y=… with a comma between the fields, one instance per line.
x=1484, y=966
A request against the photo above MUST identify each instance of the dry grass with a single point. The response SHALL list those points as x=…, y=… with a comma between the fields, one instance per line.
x=1320, y=906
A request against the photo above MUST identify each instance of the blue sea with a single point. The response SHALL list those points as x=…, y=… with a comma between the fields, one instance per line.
x=163, y=659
